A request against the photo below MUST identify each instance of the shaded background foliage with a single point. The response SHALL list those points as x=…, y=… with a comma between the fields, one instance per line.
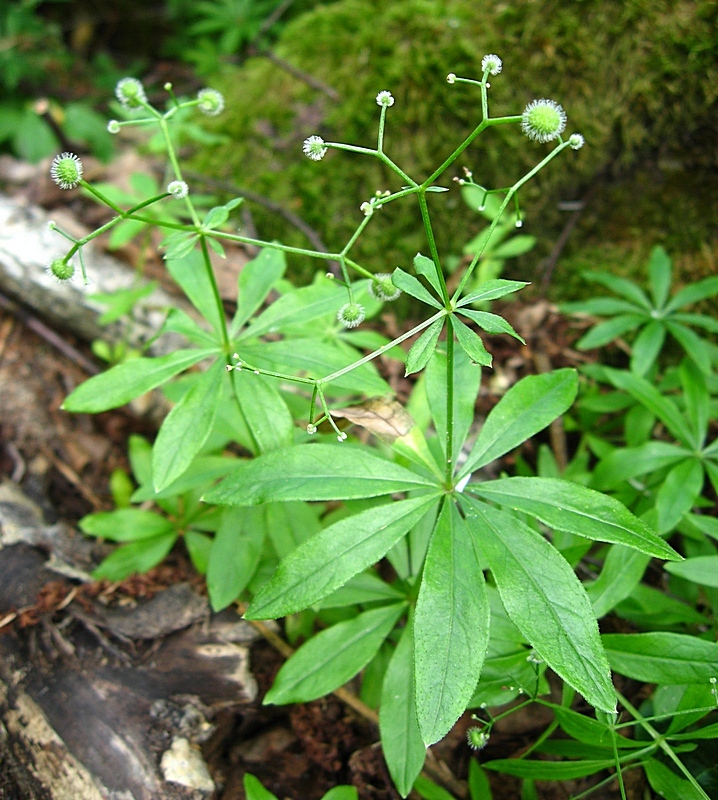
x=638, y=79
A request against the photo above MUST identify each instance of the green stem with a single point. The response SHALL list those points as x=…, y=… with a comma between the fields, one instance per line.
x=509, y=196
x=660, y=740
x=382, y=350
x=121, y=215
x=215, y=291
x=380, y=137
x=176, y=168
x=485, y=123
x=352, y=148
x=449, y=471
x=433, y=248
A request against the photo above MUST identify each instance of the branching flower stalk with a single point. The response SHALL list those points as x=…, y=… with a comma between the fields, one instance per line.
x=542, y=120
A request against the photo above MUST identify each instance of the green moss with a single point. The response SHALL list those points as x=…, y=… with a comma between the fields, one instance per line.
x=638, y=78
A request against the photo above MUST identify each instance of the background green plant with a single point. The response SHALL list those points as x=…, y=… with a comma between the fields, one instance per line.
x=625, y=66
x=650, y=317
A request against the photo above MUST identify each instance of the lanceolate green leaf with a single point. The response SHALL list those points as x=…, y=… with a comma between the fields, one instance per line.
x=570, y=507
x=471, y=343
x=491, y=290
x=669, y=784
x=426, y=267
x=647, y=394
x=187, y=427
x=629, y=462
x=178, y=321
x=659, y=275
x=404, y=749
x=697, y=400
x=334, y=656
x=314, y=472
x=341, y=793
x=254, y=284
x=696, y=348
x=423, y=348
x=135, y=557
x=647, y=346
x=607, y=331
x=678, y=493
x=412, y=286
x=192, y=275
x=528, y=407
x=451, y=626
x=266, y=415
x=694, y=293
x=544, y=599
x=234, y=556
x=299, y=306
x=548, y=770
x=621, y=286
x=467, y=379
x=591, y=731
x=661, y=657
x=621, y=572
x=702, y=570
x=491, y=323
x=130, y=379
x=254, y=789
x=326, y=561
x=125, y=525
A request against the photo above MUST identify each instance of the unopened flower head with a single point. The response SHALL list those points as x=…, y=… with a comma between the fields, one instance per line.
x=66, y=170
x=61, y=270
x=113, y=126
x=178, y=189
x=543, y=120
x=385, y=99
x=382, y=288
x=314, y=148
x=451, y=78
x=492, y=63
x=351, y=315
x=477, y=738
x=131, y=93
x=211, y=102
x=576, y=141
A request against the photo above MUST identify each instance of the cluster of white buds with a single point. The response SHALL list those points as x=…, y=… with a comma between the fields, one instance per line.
x=369, y=207
x=468, y=175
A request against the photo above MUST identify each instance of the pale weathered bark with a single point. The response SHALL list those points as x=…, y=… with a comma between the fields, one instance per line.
x=108, y=702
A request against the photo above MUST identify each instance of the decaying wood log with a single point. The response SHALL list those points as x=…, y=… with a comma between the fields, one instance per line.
x=28, y=246
x=107, y=702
